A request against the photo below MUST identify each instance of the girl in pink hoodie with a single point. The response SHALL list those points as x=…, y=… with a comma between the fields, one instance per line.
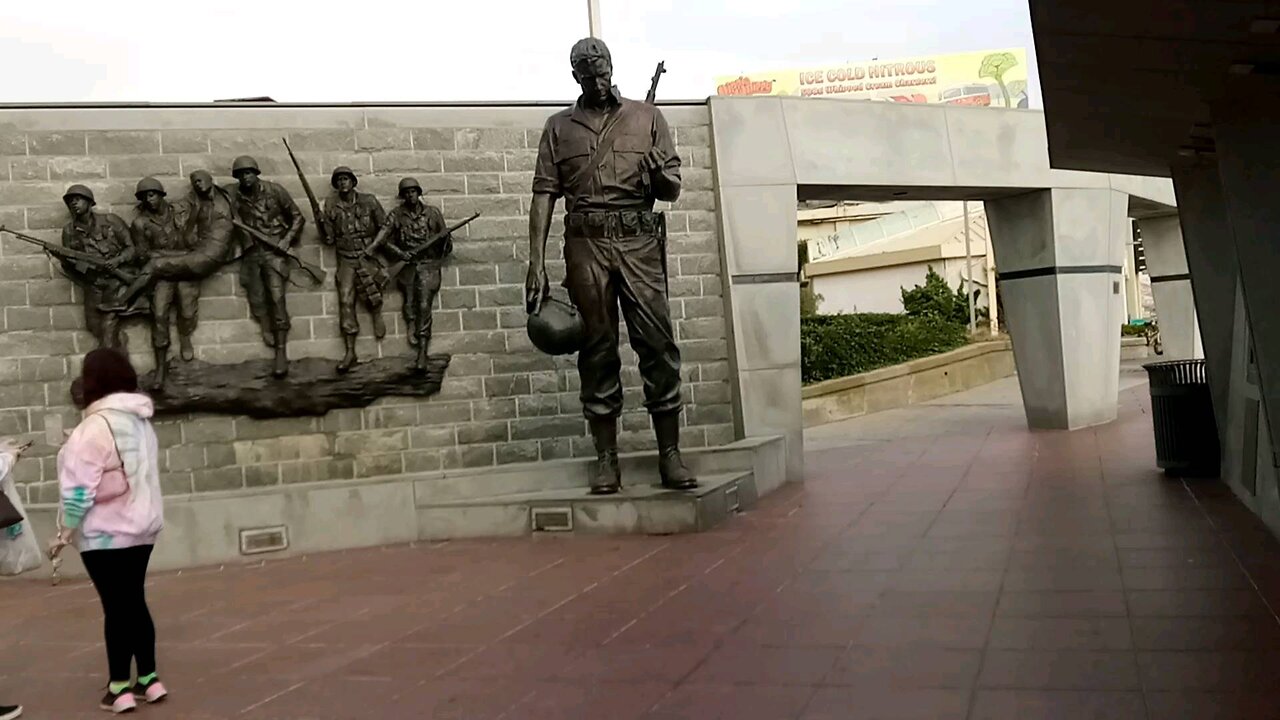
x=112, y=511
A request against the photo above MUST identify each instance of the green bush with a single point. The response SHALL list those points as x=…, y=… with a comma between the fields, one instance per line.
x=936, y=299
x=833, y=346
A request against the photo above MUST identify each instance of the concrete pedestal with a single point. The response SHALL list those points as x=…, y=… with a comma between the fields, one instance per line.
x=1060, y=254
x=1171, y=286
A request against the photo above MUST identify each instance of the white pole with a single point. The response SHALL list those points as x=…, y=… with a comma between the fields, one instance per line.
x=992, y=307
x=593, y=18
x=968, y=272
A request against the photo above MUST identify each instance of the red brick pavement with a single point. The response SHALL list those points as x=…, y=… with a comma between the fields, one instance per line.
x=980, y=572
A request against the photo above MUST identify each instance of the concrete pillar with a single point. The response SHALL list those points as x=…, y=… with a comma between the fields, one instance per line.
x=1060, y=254
x=1214, y=268
x=1249, y=165
x=1171, y=286
x=762, y=295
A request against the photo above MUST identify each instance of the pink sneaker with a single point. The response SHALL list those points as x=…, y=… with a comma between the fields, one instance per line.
x=152, y=692
x=121, y=703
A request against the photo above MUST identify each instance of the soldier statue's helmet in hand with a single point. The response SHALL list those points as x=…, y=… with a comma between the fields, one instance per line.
x=339, y=172
x=148, y=184
x=79, y=191
x=556, y=328
x=408, y=183
x=244, y=163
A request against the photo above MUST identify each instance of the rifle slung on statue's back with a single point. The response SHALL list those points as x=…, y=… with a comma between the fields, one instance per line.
x=652, y=95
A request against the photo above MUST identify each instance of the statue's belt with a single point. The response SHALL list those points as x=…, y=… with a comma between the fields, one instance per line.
x=615, y=223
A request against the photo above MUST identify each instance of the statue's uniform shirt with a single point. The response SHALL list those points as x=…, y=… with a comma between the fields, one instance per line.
x=413, y=227
x=571, y=136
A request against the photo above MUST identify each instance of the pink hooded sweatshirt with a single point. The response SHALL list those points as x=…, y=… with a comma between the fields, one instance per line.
x=109, y=475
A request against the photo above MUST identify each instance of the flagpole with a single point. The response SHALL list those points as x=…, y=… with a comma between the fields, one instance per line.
x=593, y=18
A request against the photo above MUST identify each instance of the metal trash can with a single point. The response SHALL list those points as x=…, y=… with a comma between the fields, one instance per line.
x=1182, y=416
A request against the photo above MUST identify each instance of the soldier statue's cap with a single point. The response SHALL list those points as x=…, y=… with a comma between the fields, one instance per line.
x=587, y=51
x=81, y=191
x=148, y=184
x=343, y=170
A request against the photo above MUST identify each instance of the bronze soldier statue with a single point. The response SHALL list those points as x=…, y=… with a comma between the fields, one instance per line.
x=611, y=158
x=158, y=232
x=104, y=236
x=269, y=215
x=414, y=230
x=351, y=222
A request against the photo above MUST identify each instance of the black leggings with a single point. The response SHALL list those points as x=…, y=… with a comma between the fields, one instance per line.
x=119, y=576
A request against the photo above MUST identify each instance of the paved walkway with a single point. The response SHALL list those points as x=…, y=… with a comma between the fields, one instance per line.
x=944, y=563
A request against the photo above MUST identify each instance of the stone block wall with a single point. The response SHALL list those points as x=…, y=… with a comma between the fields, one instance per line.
x=501, y=402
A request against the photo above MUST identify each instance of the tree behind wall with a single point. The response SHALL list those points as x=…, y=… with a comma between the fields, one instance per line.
x=936, y=299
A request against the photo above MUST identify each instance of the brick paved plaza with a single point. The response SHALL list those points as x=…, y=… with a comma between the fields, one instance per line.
x=940, y=562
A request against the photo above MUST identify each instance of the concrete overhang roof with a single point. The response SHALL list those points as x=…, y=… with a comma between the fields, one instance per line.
x=1128, y=85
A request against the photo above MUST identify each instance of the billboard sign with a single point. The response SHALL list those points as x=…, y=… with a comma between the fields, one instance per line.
x=994, y=78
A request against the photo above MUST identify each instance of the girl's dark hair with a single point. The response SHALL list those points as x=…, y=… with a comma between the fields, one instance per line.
x=105, y=372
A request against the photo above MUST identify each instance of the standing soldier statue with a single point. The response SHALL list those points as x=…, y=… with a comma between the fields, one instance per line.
x=106, y=237
x=158, y=232
x=351, y=221
x=270, y=223
x=419, y=238
x=610, y=158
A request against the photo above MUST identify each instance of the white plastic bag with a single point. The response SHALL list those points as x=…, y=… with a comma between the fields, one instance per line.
x=19, y=548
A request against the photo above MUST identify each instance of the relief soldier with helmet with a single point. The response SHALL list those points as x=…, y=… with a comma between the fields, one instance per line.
x=265, y=213
x=351, y=220
x=106, y=237
x=415, y=233
x=158, y=231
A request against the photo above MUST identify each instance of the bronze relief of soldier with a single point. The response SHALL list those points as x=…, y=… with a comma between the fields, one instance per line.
x=611, y=158
x=109, y=249
x=416, y=235
x=352, y=220
x=270, y=223
x=157, y=232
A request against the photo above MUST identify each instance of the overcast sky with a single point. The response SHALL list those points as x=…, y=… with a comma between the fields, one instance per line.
x=365, y=50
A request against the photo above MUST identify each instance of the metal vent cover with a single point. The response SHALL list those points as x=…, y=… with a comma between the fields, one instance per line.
x=254, y=541
x=551, y=519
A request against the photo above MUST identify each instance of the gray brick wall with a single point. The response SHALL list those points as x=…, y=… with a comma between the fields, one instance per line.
x=502, y=402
